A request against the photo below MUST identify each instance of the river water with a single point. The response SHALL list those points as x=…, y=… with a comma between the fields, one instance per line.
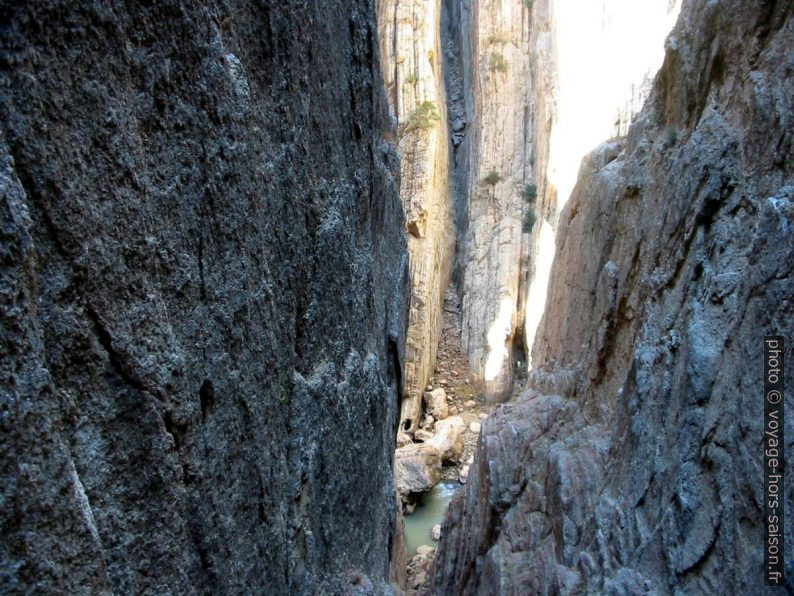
x=431, y=512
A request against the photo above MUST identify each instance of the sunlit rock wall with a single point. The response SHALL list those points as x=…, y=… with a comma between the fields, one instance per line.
x=411, y=61
x=492, y=57
x=592, y=64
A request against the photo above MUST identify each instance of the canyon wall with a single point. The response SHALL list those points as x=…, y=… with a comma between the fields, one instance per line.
x=633, y=462
x=591, y=66
x=488, y=57
x=203, y=299
x=411, y=59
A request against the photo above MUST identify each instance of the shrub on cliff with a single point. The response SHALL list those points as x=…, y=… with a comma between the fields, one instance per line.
x=529, y=221
x=497, y=63
x=424, y=116
x=499, y=37
x=493, y=178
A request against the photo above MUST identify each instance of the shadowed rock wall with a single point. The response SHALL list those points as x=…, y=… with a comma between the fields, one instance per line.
x=203, y=296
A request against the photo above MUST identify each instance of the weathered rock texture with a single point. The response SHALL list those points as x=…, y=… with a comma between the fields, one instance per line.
x=489, y=91
x=591, y=66
x=203, y=297
x=417, y=469
x=448, y=438
x=411, y=57
x=633, y=464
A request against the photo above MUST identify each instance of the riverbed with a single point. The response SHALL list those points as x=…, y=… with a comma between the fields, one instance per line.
x=430, y=512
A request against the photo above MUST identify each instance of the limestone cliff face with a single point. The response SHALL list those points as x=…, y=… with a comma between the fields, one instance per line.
x=632, y=464
x=591, y=66
x=493, y=170
x=203, y=299
x=411, y=60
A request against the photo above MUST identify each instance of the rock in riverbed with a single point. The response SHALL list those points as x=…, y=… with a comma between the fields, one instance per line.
x=417, y=469
x=420, y=567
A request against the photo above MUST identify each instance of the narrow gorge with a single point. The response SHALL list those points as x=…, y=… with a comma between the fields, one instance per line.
x=396, y=296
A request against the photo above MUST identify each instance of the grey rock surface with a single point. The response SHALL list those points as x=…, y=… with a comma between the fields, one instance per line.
x=398, y=567
x=436, y=403
x=203, y=296
x=448, y=438
x=633, y=464
x=417, y=469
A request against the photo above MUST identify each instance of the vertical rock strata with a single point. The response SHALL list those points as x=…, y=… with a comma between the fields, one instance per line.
x=492, y=170
x=203, y=299
x=411, y=57
x=632, y=465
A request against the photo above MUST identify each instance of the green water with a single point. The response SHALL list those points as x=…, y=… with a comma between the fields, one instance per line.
x=431, y=512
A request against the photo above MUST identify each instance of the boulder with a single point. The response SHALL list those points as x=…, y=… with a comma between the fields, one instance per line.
x=436, y=403
x=464, y=474
x=420, y=568
x=448, y=438
x=403, y=439
x=423, y=436
x=435, y=533
x=469, y=403
x=474, y=427
x=425, y=550
x=417, y=469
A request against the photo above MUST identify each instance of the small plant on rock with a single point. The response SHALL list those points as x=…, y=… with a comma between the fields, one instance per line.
x=493, y=178
x=424, y=116
x=283, y=396
x=499, y=37
x=530, y=192
x=529, y=221
x=497, y=63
